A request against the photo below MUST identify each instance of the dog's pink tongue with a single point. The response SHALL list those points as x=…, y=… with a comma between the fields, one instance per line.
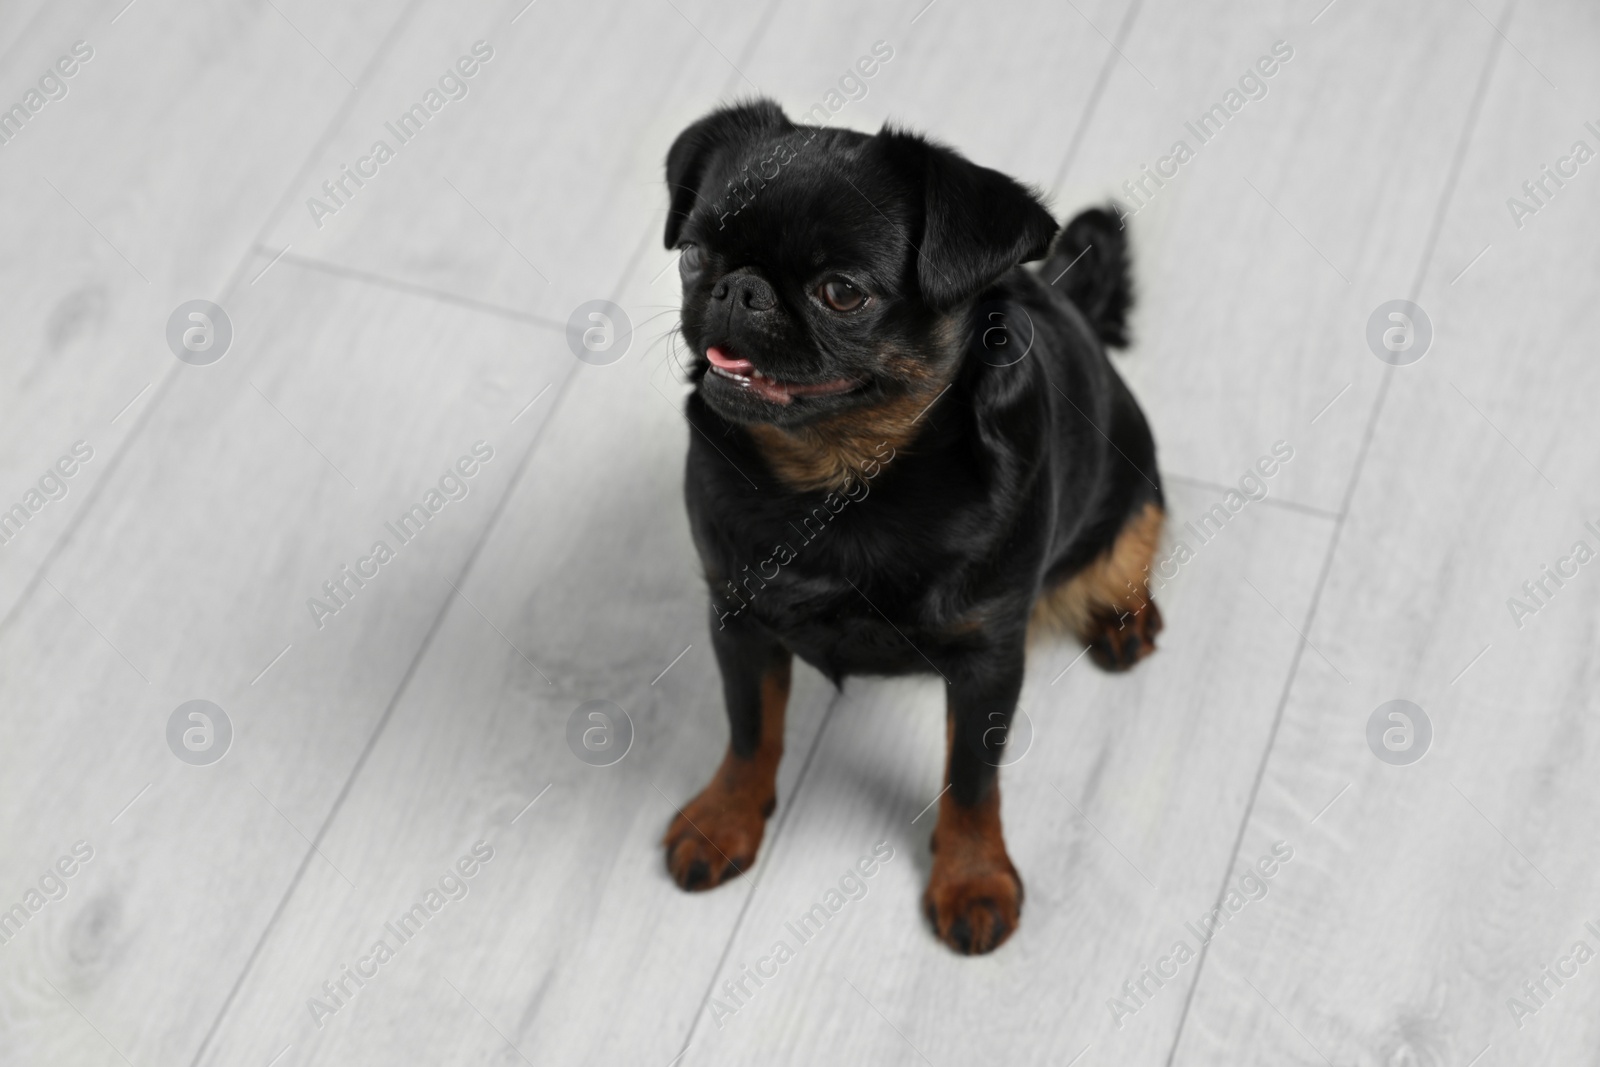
x=721, y=359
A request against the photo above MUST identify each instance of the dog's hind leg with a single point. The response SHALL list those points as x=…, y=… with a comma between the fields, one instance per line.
x=1107, y=604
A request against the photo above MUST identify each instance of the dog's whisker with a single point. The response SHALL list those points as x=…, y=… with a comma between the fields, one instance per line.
x=653, y=344
x=659, y=315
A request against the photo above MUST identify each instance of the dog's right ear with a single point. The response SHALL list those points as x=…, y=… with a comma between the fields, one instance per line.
x=691, y=154
x=977, y=223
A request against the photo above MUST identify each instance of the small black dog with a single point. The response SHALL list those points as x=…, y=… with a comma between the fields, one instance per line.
x=906, y=448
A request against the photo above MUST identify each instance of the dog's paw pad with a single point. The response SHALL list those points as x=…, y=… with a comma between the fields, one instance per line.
x=713, y=840
x=1118, y=641
x=974, y=914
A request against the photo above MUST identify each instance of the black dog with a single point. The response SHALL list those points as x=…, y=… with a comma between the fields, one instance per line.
x=905, y=448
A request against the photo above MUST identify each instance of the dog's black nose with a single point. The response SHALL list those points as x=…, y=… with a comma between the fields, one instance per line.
x=748, y=291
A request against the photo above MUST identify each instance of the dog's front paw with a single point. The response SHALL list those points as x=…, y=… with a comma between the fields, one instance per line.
x=973, y=910
x=1116, y=642
x=715, y=837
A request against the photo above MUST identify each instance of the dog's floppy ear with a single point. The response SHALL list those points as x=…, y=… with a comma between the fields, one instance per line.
x=976, y=223
x=691, y=154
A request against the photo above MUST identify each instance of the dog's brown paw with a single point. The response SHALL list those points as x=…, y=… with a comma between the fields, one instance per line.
x=1116, y=642
x=715, y=837
x=974, y=911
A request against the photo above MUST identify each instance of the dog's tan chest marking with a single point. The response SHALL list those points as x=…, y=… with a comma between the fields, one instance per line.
x=832, y=453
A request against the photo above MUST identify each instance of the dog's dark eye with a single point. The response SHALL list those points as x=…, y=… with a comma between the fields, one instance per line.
x=690, y=262
x=840, y=295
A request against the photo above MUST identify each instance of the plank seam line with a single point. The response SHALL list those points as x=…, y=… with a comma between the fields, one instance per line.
x=433, y=630
x=1288, y=505
x=1091, y=105
x=757, y=35
x=142, y=420
x=335, y=124
x=770, y=846
x=405, y=680
x=339, y=270
x=1447, y=194
x=383, y=721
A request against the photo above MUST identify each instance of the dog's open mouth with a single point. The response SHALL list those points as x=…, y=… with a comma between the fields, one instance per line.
x=743, y=373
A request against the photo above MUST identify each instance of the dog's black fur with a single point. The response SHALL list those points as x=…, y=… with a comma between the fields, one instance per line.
x=1027, y=458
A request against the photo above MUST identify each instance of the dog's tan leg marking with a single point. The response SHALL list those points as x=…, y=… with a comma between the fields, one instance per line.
x=716, y=836
x=1107, y=605
x=974, y=895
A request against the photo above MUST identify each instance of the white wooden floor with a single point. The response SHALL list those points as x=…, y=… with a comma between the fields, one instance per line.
x=428, y=314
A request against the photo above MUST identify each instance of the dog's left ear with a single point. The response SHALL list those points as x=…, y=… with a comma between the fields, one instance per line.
x=691, y=154
x=976, y=222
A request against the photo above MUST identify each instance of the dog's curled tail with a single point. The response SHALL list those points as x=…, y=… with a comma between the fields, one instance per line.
x=1091, y=266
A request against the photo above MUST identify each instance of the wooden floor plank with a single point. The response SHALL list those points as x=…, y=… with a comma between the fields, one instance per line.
x=136, y=191
x=597, y=546
x=432, y=711
x=811, y=1022
x=343, y=402
x=1007, y=99
x=573, y=109
x=1128, y=778
x=576, y=909
x=1260, y=261
x=193, y=581
x=1431, y=892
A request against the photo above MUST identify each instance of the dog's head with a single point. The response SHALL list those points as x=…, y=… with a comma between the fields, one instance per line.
x=826, y=271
